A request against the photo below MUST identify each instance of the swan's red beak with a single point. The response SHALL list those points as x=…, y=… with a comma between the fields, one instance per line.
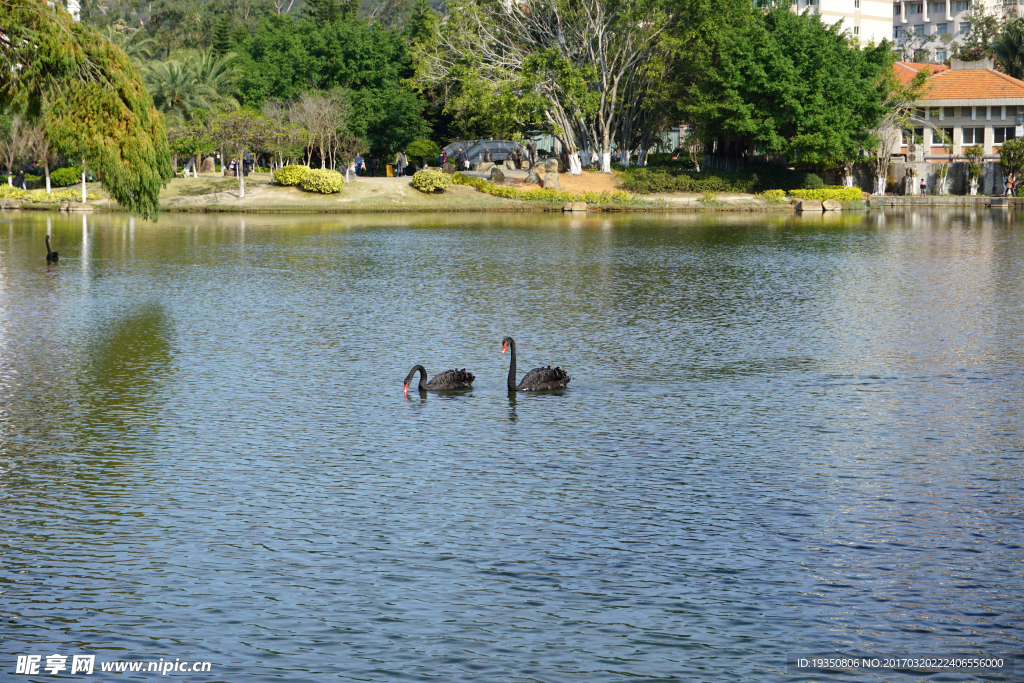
x=406, y=388
x=503, y=347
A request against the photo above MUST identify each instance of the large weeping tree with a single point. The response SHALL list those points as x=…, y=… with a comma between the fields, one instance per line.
x=88, y=97
x=581, y=59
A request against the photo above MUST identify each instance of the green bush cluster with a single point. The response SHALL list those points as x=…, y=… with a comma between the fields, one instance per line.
x=323, y=180
x=843, y=194
x=431, y=180
x=559, y=196
x=660, y=180
x=66, y=176
x=293, y=174
x=40, y=196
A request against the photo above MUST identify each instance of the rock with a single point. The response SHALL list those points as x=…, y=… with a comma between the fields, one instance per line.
x=448, y=167
x=11, y=203
x=832, y=205
x=532, y=177
x=79, y=206
x=551, y=165
x=509, y=164
x=809, y=205
x=497, y=176
x=207, y=166
x=550, y=181
x=866, y=196
x=485, y=166
x=575, y=206
x=63, y=206
x=538, y=168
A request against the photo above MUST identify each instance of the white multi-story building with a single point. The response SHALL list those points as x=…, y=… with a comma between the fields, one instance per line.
x=934, y=28
x=869, y=21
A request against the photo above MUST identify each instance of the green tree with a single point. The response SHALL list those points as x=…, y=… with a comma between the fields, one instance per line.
x=1009, y=48
x=1011, y=157
x=89, y=97
x=222, y=36
x=786, y=84
x=422, y=150
x=986, y=27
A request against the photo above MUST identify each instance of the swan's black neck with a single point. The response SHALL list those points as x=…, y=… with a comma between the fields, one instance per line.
x=423, y=377
x=48, y=252
x=512, y=365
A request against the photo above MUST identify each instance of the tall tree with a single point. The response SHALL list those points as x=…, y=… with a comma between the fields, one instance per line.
x=783, y=84
x=222, y=36
x=1009, y=48
x=89, y=97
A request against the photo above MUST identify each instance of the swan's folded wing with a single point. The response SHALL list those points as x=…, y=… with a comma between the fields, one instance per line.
x=545, y=378
x=452, y=379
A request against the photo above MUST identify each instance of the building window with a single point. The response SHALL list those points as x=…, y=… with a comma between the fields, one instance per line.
x=1004, y=134
x=918, y=135
x=914, y=9
x=919, y=30
x=938, y=8
x=856, y=30
x=962, y=6
x=974, y=136
x=942, y=29
x=895, y=10
x=940, y=56
x=949, y=112
x=937, y=137
x=856, y=4
x=812, y=3
x=965, y=28
x=896, y=32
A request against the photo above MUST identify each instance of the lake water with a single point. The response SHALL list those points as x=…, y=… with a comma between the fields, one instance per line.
x=783, y=437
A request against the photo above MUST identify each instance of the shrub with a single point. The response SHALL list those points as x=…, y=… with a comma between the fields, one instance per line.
x=655, y=180
x=420, y=150
x=551, y=195
x=40, y=196
x=772, y=196
x=431, y=180
x=709, y=199
x=323, y=180
x=843, y=194
x=291, y=175
x=66, y=176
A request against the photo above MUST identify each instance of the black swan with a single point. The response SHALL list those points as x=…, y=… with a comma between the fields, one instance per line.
x=538, y=379
x=449, y=380
x=51, y=256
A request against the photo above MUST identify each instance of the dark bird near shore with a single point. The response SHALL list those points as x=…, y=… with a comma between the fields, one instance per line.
x=449, y=380
x=51, y=256
x=538, y=379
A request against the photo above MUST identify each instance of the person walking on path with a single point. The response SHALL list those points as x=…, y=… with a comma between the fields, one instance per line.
x=444, y=157
x=19, y=180
x=1006, y=185
x=359, y=164
x=400, y=163
x=463, y=160
x=371, y=164
x=532, y=147
x=924, y=186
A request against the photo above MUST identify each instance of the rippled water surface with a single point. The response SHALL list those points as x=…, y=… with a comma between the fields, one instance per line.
x=781, y=436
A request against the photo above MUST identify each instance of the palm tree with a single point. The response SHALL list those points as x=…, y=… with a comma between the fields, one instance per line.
x=138, y=48
x=217, y=72
x=1009, y=48
x=177, y=93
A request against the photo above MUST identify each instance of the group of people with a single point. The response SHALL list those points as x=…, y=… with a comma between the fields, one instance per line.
x=367, y=165
x=1010, y=185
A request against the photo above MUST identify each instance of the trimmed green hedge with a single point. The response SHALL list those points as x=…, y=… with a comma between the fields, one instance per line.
x=843, y=194
x=658, y=180
x=66, y=176
x=542, y=195
x=291, y=175
x=431, y=180
x=323, y=180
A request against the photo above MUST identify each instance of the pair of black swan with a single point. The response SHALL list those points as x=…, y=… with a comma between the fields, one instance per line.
x=51, y=256
x=538, y=379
